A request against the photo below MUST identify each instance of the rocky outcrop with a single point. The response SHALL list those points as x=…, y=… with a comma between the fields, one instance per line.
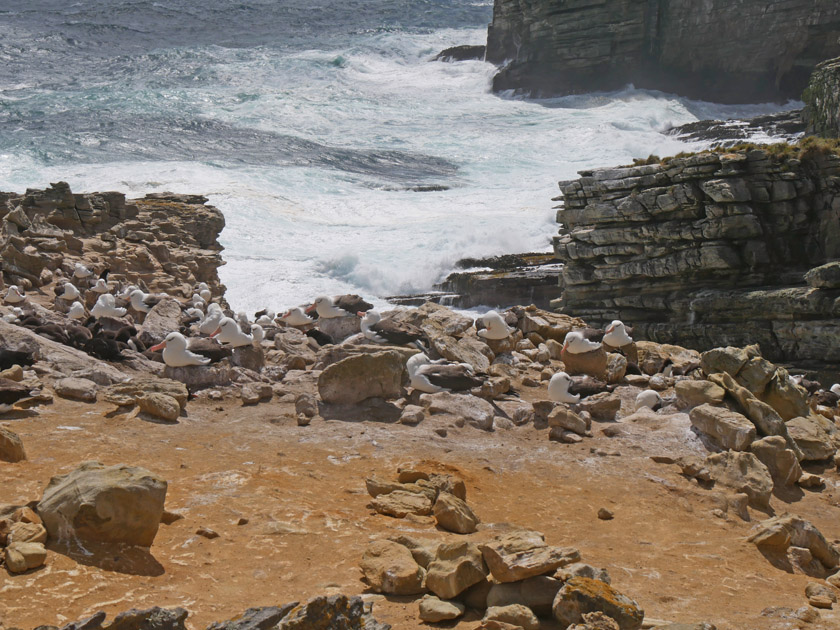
x=710, y=249
x=822, y=100
x=164, y=242
x=718, y=50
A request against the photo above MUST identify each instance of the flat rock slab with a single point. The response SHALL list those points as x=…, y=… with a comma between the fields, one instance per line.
x=400, y=504
x=524, y=554
x=728, y=429
x=356, y=378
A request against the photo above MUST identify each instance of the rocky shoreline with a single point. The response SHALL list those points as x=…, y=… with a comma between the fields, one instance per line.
x=221, y=456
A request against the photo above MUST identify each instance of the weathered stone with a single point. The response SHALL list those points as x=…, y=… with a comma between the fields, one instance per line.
x=434, y=610
x=537, y=593
x=772, y=451
x=27, y=533
x=160, y=406
x=150, y=619
x=781, y=532
x=11, y=446
x=559, y=434
x=164, y=318
x=592, y=363
x=742, y=472
x=456, y=567
x=400, y=504
x=815, y=436
x=23, y=556
x=603, y=407
x=253, y=393
x=329, y=613
x=475, y=411
x=693, y=393
x=582, y=595
x=579, y=569
x=76, y=389
x=423, y=551
x=454, y=515
x=129, y=393
x=515, y=615
x=200, y=376
x=825, y=276
x=523, y=554
x=565, y=418
x=729, y=360
x=728, y=429
x=104, y=504
x=256, y=618
x=412, y=415
x=363, y=376
x=389, y=568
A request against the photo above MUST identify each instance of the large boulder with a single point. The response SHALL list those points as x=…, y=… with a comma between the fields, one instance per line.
x=772, y=451
x=693, y=393
x=456, y=567
x=781, y=532
x=400, y=504
x=814, y=435
x=564, y=418
x=76, y=389
x=593, y=363
x=164, y=318
x=728, y=429
x=522, y=554
x=582, y=595
x=98, y=503
x=390, y=568
x=363, y=376
x=742, y=472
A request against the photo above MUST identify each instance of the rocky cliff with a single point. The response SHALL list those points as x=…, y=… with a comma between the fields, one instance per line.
x=720, y=50
x=822, y=99
x=163, y=242
x=711, y=249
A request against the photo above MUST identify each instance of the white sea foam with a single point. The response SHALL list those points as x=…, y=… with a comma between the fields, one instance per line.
x=323, y=226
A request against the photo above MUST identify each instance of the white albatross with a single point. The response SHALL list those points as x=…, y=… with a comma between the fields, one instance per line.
x=175, y=352
x=295, y=317
x=326, y=308
x=648, y=398
x=229, y=334
x=495, y=327
x=558, y=389
x=101, y=286
x=81, y=272
x=14, y=295
x=576, y=343
x=211, y=320
x=106, y=306
x=70, y=293
x=616, y=335
x=77, y=311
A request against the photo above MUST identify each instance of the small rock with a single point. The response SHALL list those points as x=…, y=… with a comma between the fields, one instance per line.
x=11, y=446
x=820, y=594
x=456, y=567
x=557, y=434
x=605, y=515
x=454, y=515
x=76, y=389
x=390, y=568
x=514, y=614
x=603, y=407
x=412, y=415
x=21, y=557
x=582, y=595
x=27, y=533
x=303, y=420
x=206, y=532
x=400, y=504
x=409, y=475
x=564, y=418
x=434, y=610
x=14, y=373
x=306, y=404
x=160, y=406
x=253, y=393
x=808, y=480
x=442, y=432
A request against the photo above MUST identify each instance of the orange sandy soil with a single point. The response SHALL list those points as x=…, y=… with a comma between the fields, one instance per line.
x=302, y=491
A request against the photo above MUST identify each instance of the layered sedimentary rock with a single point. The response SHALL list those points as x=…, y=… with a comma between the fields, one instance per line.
x=163, y=242
x=719, y=50
x=710, y=249
x=822, y=100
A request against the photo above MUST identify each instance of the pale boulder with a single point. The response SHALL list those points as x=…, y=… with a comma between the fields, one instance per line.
x=356, y=378
x=389, y=568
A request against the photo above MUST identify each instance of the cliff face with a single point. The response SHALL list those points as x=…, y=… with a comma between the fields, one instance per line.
x=164, y=242
x=822, y=100
x=721, y=50
x=710, y=250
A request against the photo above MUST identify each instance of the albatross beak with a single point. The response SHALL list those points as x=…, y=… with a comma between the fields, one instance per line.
x=160, y=346
x=360, y=314
x=310, y=308
x=610, y=329
x=218, y=330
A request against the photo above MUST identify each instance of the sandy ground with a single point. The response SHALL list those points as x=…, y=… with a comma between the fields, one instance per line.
x=302, y=492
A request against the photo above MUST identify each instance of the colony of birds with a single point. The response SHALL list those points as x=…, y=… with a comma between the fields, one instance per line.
x=757, y=420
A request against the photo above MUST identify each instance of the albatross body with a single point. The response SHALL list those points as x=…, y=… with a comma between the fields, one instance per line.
x=229, y=334
x=432, y=377
x=175, y=353
x=576, y=343
x=295, y=317
x=558, y=389
x=389, y=331
x=616, y=335
x=70, y=293
x=496, y=327
x=106, y=306
x=14, y=295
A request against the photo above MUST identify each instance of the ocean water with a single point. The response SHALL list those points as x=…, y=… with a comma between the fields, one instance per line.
x=343, y=158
